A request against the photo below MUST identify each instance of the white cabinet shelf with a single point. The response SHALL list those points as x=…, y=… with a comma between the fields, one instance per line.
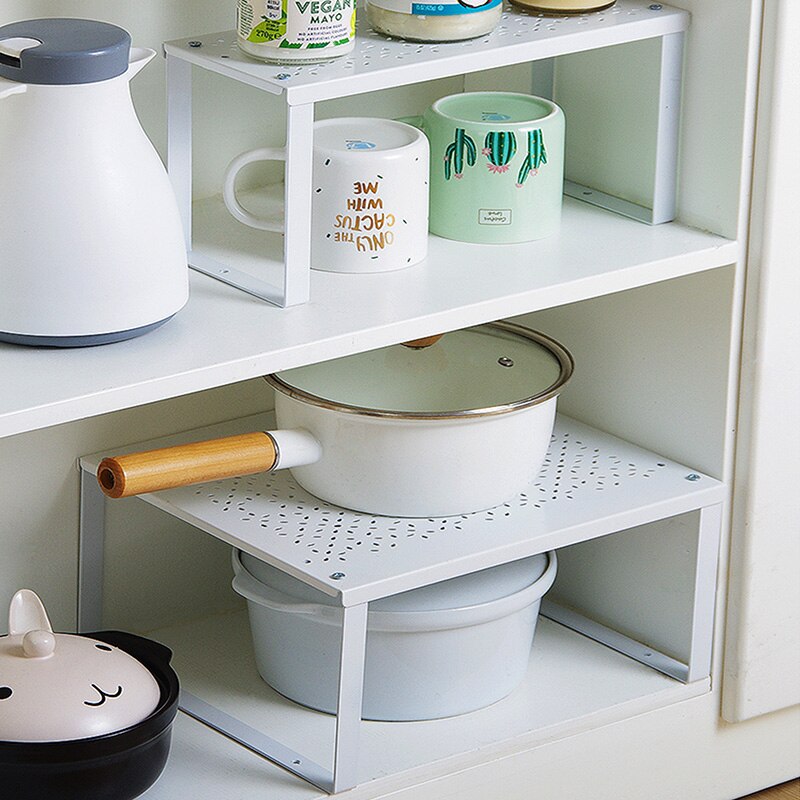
x=224, y=336
x=573, y=684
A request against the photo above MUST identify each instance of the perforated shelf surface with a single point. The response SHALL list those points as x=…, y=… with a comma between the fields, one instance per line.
x=378, y=62
x=590, y=485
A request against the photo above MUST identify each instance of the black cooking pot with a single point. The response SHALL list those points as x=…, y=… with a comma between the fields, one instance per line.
x=116, y=766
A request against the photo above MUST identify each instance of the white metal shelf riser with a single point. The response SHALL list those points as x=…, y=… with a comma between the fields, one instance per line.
x=379, y=63
x=591, y=485
x=572, y=684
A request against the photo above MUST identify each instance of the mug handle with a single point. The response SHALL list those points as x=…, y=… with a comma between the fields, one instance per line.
x=233, y=205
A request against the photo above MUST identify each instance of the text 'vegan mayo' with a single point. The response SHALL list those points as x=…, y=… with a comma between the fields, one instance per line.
x=296, y=31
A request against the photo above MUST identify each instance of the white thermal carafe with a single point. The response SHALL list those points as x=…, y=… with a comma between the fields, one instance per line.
x=91, y=243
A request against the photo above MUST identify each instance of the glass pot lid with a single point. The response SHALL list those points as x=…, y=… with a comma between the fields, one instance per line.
x=489, y=369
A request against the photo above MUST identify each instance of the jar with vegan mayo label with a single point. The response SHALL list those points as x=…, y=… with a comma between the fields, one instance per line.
x=296, y=31
x=446, y=21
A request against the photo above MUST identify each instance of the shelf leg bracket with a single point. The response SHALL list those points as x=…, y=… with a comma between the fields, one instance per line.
x=295, y=289
x=705, y=588
x=91, y=540
x=256, y=741
x=664, y=201
x=351, y=688
x=616, y=641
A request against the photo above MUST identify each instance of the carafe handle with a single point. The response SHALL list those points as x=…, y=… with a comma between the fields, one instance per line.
x=8, y=87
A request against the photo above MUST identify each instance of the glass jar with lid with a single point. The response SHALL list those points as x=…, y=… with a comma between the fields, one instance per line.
x=295, y=31
x=446, y=21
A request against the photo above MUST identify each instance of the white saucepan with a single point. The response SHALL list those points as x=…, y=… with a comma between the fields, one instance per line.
x=455, y=427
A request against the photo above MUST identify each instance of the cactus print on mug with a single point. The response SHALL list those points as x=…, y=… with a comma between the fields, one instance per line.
x=499, y=147
x=537, y=155
x=463, y=145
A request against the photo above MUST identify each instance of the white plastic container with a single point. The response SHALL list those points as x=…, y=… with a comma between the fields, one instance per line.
x=437, y=651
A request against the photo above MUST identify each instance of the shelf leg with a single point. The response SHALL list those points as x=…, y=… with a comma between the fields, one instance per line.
x=668, y=128
x=615, y=640
x=298, y=194
x=705, y=584
x=351, y=688
x=91, y=538
x=663, y=207
x=179, y=166
x=179, y=138
x=255, y=741
x=543, y=78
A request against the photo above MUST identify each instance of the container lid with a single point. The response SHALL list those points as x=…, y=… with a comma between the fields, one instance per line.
x=489, y=369
x=62, y=687
x=63, y=51
x=476, y=588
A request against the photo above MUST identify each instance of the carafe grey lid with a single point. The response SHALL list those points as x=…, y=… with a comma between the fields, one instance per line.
x=61, y=51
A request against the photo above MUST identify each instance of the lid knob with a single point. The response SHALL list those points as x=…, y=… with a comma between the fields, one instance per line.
x=38, y=644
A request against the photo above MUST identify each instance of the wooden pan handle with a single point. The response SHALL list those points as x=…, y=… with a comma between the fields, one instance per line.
x=427, y=341
x=182, y=465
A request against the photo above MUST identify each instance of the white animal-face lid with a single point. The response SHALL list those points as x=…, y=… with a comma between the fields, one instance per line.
x=59, y=687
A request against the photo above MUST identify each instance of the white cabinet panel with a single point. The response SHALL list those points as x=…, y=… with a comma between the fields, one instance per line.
x=763, y=637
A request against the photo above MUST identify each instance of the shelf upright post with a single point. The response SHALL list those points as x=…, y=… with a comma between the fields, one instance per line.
x=351, y=690
x=663, y=205
x=705, y=587
x=543, y=78
x=298, y=193
x=91, y=539
x=179, y=139
x=667, y=128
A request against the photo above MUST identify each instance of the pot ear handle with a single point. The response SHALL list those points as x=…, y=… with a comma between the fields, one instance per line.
x=27, y=613
x=136, y=646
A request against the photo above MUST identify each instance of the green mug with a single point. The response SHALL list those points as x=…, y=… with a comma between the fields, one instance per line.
x=497, y=166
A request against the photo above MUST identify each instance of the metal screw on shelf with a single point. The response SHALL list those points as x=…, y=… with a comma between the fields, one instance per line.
x=282, y=76
x=337, y=576
x=655, y=7
x=692, y=476
x=195, y=44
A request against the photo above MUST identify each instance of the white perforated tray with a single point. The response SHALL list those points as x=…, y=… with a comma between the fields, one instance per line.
x=378, y=62
x=591, y=484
